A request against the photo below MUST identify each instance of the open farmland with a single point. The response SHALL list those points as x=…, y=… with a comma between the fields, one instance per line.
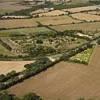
x=57, y=20
x=82, y=9
x=87, y=26
x=11, y=6
x=94, y=12
x=65, y=81
x=23, y=31
x=86, y=17
x=53, y=13
x=17, y=23
x=8, y=66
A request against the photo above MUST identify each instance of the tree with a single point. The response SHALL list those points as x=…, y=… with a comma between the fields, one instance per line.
x=31, y=96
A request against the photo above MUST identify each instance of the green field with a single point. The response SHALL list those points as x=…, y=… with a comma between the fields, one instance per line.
x=83, y=57
x=23, y=31
x=4, y=51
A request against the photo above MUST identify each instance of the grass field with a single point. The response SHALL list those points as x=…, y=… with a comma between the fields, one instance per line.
x=90, y=26
x=4, y=51
x=23, y=31
x=65, y=81
x=16, y=23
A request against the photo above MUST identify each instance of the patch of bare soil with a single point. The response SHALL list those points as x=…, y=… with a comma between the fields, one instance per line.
x=8, y=66
x=65, y=81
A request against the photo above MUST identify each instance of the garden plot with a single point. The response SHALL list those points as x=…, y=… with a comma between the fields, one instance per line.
x=37, y=46
x=82, y=9
x=86, y=17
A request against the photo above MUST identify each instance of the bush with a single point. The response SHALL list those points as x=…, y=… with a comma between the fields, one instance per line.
x=30, y=96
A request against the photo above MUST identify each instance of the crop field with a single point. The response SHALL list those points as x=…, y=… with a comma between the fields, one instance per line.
x=82, y=9
x=8, y=66
x=11, y=6
x=17, y=23
x=53, y=13
x=94, y=12
x=57, y=20
x=23, y=31
x=86, y=17
x=90, y=26
x=65, y=81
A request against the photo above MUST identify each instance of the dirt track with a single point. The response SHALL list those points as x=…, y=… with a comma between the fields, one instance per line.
x=65, y=81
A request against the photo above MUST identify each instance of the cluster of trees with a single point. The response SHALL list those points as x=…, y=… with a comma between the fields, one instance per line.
x=30, y=96
x=95, y=1
x=41, y=50
x=31, y=69
x=9, y=75
x=98, y=41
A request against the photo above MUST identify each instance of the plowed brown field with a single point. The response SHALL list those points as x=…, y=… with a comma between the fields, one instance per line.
x=65, y=81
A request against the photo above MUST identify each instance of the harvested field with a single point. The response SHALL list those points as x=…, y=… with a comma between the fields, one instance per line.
x=65, y=81
x=17, y=23
x=86, y=17
x=94, y=12
x=8, y=66
x=8, y=7
x=82, y=9
x=57, y=20
x=53, y=13
x=89, y=26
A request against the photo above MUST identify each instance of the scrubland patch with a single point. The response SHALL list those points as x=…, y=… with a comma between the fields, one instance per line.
x=82, y=57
